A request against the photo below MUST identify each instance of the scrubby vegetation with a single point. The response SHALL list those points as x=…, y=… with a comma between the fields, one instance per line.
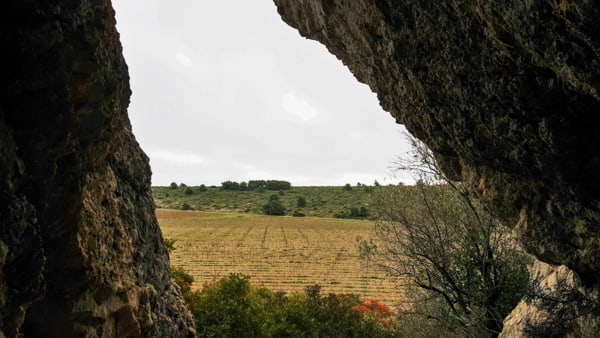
x=310, y=201
x=232, y=307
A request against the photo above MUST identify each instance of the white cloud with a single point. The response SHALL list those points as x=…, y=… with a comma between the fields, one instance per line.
x=298, y=107
x=183, y=60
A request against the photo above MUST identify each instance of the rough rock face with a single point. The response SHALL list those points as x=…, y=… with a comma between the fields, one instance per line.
x=81, y=253
x=506, y=93
x=559, y=306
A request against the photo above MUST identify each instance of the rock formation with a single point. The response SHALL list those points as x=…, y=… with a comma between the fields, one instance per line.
x=506, y=94
x=81, y=253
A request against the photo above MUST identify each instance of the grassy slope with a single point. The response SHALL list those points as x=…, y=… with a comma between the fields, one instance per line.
x=320, y=201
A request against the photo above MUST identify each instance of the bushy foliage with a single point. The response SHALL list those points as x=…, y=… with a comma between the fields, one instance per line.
x=188, y=191
x=274, y=207
x=173, y=185
x=230, y=185
x=298, y=213
x=301, y=202
x=353, y=212
x=184, y=280
x=232, y=307
x=269, y=185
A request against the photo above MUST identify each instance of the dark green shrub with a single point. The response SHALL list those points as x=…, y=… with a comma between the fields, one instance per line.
x=298, y=214
x=301, y=202
x=274, y=207
x=232, y=307
x=228, y=309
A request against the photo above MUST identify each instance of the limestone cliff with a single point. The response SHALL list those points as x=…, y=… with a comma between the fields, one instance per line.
x=81, y=253
x=506, y=93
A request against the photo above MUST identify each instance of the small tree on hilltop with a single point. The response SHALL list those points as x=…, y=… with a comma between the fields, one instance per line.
x=274, y=207
x=173, y=185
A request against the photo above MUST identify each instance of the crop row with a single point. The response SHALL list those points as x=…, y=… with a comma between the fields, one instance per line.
x=283, y=254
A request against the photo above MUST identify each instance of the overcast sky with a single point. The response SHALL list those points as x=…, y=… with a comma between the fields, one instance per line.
x=225, y=90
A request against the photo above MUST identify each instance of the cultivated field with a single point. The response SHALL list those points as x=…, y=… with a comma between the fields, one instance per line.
x=280, y=253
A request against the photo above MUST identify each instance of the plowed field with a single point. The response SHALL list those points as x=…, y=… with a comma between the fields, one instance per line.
x=280, y=253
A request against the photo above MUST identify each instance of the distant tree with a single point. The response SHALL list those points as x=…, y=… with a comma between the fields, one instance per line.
x=274, y=207
x=301, y=202
x=202, y=188
x=261, y=185
x=278, y=185
x=243, y=186
x=182, y=185
x=363, y=212
x=353, y=212
x=347, y=187
x=173, y=185
x=376, y=183
x=230, y=185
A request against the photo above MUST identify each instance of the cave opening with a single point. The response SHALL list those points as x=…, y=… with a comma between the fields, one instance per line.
x=230, y=92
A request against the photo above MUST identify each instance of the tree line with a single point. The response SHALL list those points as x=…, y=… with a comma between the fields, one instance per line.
x=256, y=185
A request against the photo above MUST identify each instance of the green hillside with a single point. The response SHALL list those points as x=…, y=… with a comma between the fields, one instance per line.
x=346, y=201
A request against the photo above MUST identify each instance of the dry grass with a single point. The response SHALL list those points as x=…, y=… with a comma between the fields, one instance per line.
x=280, y=253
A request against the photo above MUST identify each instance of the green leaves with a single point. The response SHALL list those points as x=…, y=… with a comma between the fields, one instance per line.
x=232, y=307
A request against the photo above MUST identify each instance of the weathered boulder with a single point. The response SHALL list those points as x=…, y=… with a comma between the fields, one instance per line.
x=81, y=253
x=506, y=94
